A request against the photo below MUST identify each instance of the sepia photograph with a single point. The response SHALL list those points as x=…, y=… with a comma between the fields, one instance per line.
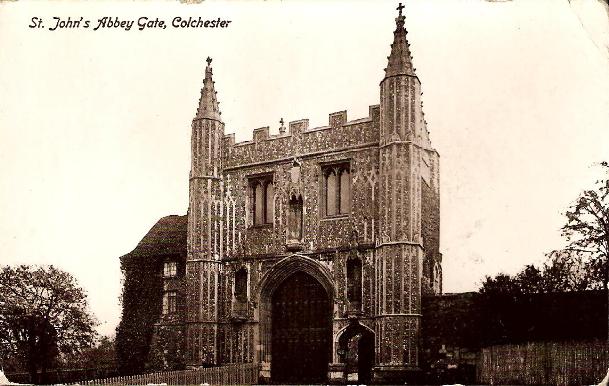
x=299, y=192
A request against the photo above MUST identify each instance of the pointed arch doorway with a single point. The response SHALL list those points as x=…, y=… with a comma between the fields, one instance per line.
x=357, y=345
x=301, y=330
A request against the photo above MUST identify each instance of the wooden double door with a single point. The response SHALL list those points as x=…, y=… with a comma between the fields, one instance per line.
x=301, y=331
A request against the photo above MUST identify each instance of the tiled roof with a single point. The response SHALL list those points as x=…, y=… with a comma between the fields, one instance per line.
x=166, y=237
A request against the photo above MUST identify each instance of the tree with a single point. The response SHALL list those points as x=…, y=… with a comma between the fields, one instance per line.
x=499, y=299
x=43, y=314
x=530, y=280
x=563, y=271
x=101, y=356
x=587, y=227
x=569, y=270
x=537, y=304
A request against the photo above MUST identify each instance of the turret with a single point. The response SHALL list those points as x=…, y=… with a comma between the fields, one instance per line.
x=207, y=131
x=400, y=249
x=205, y=172
x=401, y=113
x=400, y=128
x=203, y=262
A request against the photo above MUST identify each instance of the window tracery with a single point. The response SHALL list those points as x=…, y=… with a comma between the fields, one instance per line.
x=336, y=190
x=262, y=204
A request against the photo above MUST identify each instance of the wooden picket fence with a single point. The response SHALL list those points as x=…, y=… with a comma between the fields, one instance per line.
x=545, y=363
x=232, y=374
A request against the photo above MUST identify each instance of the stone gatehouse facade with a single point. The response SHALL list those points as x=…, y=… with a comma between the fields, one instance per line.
x=308, y=251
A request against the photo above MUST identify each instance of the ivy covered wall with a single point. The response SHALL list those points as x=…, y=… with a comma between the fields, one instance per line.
x=142, y=295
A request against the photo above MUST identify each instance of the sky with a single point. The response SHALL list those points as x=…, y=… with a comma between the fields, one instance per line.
x=95, y=125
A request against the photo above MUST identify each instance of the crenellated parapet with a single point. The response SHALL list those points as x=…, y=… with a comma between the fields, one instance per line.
x=298, y=139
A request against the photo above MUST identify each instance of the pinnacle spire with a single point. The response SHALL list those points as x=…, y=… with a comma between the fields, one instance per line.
x=208, y=103
x=400, y=60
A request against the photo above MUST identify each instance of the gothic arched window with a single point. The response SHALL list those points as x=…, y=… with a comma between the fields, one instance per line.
x=354, y=283
x=337, y=189
x=241, y=285
x=268, y=204
x=331, y=193
x=262, y=194
x=259, y=214
x=345, y=192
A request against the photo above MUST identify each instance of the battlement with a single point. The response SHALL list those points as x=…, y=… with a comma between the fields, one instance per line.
x=297, y=138
x=301, y=126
